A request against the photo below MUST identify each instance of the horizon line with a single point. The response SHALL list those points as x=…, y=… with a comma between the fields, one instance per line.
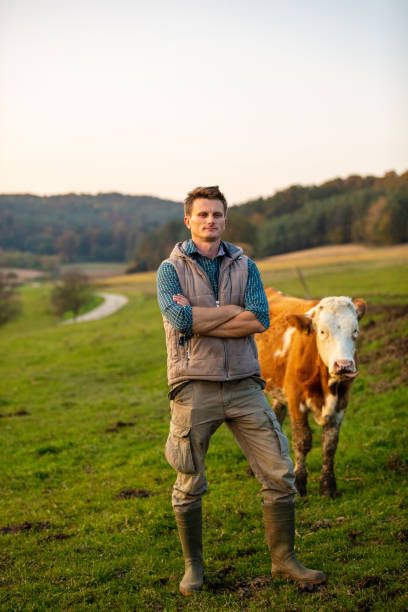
x=145, y=195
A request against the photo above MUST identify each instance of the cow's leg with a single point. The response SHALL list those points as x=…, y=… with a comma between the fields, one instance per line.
x=330, y=438
x=280, y=410
x=302, y=443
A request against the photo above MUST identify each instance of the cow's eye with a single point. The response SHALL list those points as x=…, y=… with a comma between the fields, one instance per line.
x=322, y=332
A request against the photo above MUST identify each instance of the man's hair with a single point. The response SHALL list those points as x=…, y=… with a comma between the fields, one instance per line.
x=208, y=193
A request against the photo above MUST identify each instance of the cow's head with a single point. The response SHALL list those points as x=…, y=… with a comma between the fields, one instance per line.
x=334, y=320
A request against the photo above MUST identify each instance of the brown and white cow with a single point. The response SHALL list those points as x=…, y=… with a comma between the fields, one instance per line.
x=308, y=360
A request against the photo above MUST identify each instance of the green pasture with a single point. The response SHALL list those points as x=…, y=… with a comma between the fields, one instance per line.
x=85, y=515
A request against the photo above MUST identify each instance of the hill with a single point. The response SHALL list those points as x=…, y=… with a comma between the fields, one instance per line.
x=79, y=227
x=121, y=228
x=368, y=210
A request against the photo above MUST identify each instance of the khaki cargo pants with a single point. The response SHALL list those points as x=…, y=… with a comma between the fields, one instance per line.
x=198, y=409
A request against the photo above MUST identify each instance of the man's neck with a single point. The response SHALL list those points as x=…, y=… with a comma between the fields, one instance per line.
x=208, y=249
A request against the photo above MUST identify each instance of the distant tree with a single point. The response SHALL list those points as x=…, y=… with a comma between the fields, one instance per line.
x=9, y=302
x=156, y=246
x=67, y=245
x=71, y=292
x=398, y=217
x=239, y=228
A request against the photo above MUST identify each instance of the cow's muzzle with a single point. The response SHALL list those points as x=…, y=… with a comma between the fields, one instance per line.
x=344, y=369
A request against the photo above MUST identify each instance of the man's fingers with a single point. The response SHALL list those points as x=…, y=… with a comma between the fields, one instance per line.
x=180, y=299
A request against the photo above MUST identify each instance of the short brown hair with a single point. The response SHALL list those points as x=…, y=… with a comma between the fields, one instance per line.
x=208, y=193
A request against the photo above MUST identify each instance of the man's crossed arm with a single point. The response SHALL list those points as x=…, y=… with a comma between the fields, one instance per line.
x=228, y=321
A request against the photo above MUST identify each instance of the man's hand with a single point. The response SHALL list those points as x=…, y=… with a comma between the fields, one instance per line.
x=181, y=300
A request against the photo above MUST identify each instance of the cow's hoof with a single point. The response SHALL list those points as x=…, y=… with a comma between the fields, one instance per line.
x=332, y=493
x=328, y=486
x=301, y=492
x=301, y=486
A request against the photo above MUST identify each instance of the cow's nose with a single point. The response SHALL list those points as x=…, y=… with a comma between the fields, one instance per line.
x=343, y=365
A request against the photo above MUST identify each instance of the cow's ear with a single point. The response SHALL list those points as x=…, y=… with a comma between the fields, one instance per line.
x=301, y=322
x=360, y=306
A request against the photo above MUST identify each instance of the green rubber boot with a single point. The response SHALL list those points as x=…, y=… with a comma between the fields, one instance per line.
x=189, y=529
x=279, y=520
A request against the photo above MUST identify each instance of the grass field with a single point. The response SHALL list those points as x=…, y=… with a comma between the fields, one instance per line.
x=85, y=515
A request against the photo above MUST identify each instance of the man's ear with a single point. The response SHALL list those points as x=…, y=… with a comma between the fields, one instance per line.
x=301, y=322
x=360, y=306
x=187, y=221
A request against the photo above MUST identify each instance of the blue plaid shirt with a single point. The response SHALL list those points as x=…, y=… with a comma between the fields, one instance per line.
x=181, y=317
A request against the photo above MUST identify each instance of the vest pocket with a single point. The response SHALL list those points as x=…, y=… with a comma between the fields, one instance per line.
x=178, y=449
x=282, y=439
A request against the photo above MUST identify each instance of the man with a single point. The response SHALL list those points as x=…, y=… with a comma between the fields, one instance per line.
x=212, y=300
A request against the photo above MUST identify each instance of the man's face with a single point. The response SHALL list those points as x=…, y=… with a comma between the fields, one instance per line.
x=207, y=220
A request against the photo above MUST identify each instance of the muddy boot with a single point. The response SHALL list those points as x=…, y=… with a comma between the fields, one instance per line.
x=279, y=520
x=189, y=528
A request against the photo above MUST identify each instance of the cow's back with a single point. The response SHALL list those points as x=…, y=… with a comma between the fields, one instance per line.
x=274, y=345
x=281, y=305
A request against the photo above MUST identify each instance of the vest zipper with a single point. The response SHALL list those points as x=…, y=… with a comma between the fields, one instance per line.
x=217, y=303
x=226, y=360
x=205, y=278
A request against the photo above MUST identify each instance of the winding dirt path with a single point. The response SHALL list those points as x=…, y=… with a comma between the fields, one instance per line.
x=113, y=302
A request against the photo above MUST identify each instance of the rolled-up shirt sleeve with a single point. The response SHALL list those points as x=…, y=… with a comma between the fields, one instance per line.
x=255, y=299
x=168, y=284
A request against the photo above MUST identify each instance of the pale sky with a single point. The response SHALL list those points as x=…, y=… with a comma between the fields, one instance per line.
x=156, y=97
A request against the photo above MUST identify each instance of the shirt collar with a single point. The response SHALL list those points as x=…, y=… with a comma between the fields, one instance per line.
x=190, y=249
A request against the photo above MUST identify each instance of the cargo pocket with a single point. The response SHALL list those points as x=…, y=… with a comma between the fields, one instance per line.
x=178, y=449
x=282, y=439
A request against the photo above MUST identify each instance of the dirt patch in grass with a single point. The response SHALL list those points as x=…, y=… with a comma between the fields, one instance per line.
x=324, y=524
x=26, y=526
x=247, y=552
x=396, y=463
x=48, y=450
x=59, y=536
x=18, y=413
x=129, y=493
x=248, y=588
x=115, y=427
x=217, y=582
x=354, y=536
x=369, y=581
x=387, y=362
x=402, y=536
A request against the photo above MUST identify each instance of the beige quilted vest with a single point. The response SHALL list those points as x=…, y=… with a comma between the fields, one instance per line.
x=204, y=357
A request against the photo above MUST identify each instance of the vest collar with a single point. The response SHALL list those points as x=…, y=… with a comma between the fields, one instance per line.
x=187, y=248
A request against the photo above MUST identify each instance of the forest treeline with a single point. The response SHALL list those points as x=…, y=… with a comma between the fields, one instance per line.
x=368, y=210
x=38, y=231
x=142, y=230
